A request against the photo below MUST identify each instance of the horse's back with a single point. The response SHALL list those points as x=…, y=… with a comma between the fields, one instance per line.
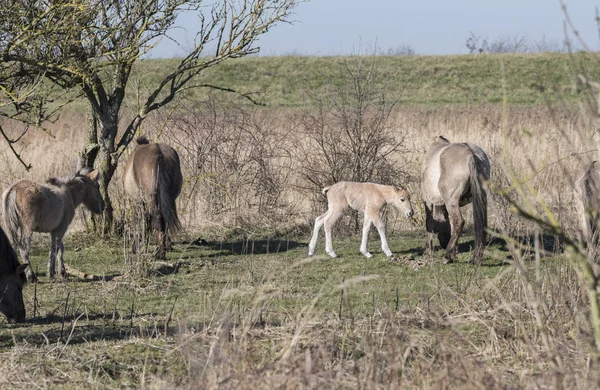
x=147, y=160
x=446, y=170
x=41, y=206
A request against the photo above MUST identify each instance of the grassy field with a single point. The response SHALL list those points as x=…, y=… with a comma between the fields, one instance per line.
x=247, y=309
x=244, y=313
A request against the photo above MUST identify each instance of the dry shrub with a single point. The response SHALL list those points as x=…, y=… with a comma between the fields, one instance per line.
x=237, y=167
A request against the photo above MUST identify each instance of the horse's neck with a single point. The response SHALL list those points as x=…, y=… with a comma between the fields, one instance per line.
x=74, y=191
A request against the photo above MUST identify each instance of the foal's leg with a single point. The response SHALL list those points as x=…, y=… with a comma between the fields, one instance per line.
x=457, y=223
x=365, y=236
x=318, y=224
x=329, y=222
x=374, y=215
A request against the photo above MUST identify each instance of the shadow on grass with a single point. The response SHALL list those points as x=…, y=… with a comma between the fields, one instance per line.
x=246, y=247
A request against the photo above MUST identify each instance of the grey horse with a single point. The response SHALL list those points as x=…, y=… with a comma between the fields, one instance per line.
x=153, y=178
x=452, y=177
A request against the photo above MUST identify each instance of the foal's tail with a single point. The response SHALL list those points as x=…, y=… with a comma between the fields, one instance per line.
x=164, y=209
x=11, y=217
x=479, y=205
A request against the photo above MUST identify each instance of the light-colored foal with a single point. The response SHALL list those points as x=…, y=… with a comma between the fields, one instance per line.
x=369, y=198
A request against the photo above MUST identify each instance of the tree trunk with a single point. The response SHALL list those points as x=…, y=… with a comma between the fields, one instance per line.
x=98, y=152
x=107, y=167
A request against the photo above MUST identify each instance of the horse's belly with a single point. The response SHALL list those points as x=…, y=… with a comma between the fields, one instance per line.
x=429, y=188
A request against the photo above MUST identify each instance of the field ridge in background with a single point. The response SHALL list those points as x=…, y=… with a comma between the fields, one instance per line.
x=531, y=79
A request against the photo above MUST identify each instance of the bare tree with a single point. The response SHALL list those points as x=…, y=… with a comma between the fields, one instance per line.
x=91, y=46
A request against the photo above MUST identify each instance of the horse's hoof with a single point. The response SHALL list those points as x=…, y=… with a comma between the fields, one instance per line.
x=366, y=254
x=447, y=260
x=332, y=254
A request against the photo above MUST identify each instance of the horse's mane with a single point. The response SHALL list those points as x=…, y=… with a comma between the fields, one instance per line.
x=142, y=140
x=61, y=181
x=55, y=181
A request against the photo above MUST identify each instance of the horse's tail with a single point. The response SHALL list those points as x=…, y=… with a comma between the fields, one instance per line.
x=11, y=217
x=163, y=199
x=476, y=170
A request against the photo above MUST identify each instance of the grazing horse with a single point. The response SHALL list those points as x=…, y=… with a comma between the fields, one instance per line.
x=587, y=188
x=153, y=178
x=369, y=198
x=48, y=208
x=452, y=175
x=12, y=280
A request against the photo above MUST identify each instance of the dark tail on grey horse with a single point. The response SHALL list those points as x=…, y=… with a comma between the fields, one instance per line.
x=164, y=209
x=479, y=205
x=12, y=218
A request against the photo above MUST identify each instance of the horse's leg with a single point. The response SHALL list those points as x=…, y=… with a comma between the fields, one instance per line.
x=381, y=230
x=442, y=225
x=59, y=257
x=31, y=277
x=428, y=231
x=457, y=223
x=365, y=236
x=52, y=259
x=327, y=225
x=319, y=221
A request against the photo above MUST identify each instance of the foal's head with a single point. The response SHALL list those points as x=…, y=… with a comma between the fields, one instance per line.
x=90, y=189
x=402, y=202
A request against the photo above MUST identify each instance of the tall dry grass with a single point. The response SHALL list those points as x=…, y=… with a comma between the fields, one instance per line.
x=243, y=168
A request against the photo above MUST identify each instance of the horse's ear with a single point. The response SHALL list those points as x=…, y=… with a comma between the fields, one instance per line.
x=94, y=175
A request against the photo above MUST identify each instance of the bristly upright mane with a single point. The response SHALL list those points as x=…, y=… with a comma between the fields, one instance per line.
x=142, y=140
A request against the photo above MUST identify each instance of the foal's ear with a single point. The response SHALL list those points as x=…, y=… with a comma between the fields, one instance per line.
x=94, y=175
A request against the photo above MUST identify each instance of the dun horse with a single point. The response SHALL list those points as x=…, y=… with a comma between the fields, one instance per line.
x=369, y=198
x=587, y=188
x=48, y=208
x=12, y=279
x=452, y=175
x=153, y=177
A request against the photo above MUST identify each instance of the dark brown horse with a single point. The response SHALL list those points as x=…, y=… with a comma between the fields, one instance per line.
x=452, y=176
x=12, y=280
x=153, y=178
x=587, y=188
x=30, y=207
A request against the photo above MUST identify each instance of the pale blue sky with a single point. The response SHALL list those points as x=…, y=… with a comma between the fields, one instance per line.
x=334, y=27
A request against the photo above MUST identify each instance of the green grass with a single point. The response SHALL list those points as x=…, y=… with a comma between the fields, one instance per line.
x=526, y=79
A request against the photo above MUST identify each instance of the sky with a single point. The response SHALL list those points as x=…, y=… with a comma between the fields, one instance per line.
x=431, y=27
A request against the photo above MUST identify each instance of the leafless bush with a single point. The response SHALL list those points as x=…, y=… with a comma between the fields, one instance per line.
x=401, y=50
x=237, y=165
x=517, y=43
x=346, y=133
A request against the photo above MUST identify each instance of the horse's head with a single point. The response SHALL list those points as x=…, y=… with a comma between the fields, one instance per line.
x=402, y=202
x=92, y=198
x=11, y=294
